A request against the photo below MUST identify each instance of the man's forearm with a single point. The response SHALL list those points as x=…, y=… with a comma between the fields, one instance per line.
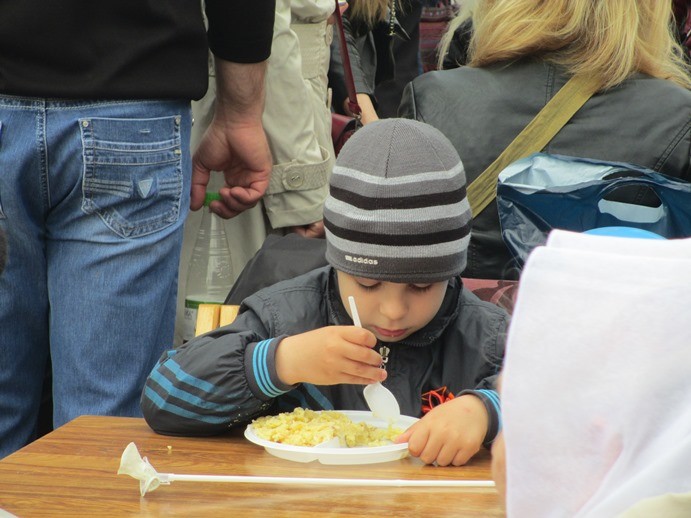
x=240, y=89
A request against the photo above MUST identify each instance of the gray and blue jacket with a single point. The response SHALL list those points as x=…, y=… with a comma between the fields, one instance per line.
x=228, y=376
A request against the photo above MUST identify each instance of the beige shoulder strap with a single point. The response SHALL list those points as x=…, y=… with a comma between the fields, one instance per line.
x=534, y=137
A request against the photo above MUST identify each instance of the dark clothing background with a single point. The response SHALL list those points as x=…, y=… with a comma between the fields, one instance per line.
x=682, y=15
x=406, y=66
x=457, y=55
x=382, y=65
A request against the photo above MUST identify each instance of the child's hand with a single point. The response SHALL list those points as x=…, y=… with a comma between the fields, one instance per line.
x=328, y=356
x=450, y=433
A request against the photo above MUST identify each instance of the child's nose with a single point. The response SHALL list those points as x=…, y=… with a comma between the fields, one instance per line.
x=393, y=308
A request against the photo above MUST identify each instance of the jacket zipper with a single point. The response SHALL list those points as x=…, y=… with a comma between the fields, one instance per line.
x=384, y=351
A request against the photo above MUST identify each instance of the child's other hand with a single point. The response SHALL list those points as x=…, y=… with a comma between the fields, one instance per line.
x=450, y=433
x=328, y=356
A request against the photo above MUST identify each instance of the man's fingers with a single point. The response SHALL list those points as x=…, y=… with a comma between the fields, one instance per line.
x=200, y=179
x=247, y=196
x=220, y=209
x=230, y=205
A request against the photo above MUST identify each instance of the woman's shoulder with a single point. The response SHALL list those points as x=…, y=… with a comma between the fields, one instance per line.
x=644, y=120
x=500, y=88
x=651, y=101
x=667, y=92
x=532, y=70
x=527, y=75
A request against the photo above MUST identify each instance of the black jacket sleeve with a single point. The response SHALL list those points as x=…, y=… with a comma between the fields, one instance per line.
x=241, y=30
x=215, y=381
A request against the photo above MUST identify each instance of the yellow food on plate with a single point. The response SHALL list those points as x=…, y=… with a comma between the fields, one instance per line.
x=303, y=427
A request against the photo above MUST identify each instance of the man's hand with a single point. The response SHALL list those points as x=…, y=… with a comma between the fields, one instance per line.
x=235, y=142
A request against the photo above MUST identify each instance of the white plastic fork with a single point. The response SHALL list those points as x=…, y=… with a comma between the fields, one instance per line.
x=380, y=400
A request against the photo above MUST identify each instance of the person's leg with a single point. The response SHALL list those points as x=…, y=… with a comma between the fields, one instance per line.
x=23, y=294
x=120, y=183
x=44, y=423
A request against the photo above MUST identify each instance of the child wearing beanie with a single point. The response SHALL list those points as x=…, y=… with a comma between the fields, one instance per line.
x=397, y=226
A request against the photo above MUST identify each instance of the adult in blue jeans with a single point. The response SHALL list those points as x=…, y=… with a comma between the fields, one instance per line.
x=96, y=178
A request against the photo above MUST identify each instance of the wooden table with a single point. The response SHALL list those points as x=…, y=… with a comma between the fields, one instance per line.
x=72, y=472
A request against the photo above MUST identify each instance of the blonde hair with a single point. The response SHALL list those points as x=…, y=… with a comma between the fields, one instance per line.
x=611, y=39
x=369, y=11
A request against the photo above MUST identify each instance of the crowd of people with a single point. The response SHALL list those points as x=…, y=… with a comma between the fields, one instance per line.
x=117, y=117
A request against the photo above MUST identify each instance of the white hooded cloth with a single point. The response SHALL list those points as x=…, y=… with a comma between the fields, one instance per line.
x=596, y=390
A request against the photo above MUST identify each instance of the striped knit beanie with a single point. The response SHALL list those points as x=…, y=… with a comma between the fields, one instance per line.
x=397, y=209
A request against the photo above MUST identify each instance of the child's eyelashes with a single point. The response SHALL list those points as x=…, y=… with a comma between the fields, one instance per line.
x=415, y=288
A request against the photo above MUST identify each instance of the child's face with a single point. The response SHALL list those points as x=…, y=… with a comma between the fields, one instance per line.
x=392, y=311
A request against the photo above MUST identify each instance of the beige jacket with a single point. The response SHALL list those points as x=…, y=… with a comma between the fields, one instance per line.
x=297, y=121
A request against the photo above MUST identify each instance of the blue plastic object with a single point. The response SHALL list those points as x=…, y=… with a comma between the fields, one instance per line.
x=624, y=232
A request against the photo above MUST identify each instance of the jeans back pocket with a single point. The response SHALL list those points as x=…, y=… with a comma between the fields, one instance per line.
x=132, y=172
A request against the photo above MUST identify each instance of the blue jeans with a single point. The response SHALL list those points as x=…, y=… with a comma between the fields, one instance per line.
x=93, y=197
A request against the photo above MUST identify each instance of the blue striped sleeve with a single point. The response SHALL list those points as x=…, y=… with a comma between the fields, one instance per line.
x=490, y=398
x=260, y=368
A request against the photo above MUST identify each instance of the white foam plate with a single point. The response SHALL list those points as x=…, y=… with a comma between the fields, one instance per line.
x=340, y=455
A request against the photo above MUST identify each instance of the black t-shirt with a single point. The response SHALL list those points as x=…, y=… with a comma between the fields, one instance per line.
x=125, y=49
